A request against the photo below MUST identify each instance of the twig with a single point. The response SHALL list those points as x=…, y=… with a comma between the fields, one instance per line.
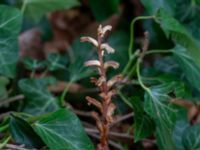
x=89, y=125
x=149, y=141
x=5, y=114
x=120, y=135
x=78, y=112
x=82, y=113
x=12, y=99
x=16, y=147
x=127, y=116
x=111, y=143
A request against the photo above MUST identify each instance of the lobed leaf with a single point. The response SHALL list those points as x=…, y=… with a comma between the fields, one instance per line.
x=103, y=9
x=191, y=137
x=38, y=99
x=157, y=105
x=10, y=25
x=189, y=67
x=178, y=33
x=37, y=8
x=62, y=130
x=23, y=133
x=143, y=124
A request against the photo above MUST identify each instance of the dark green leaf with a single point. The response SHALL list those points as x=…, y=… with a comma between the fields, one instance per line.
x=55, y=61
x=32, y=64
x=152, y=6
x=167, y=65
x=182, y=123
x=178, y=33
x=38, y=99
x=188, y=66
x=23, y=133
x=176, y=8
x=157, y=105
x=143, y=124
x=191, y=138
x=81, y=52
x=119, y=40
x=10, y=25
x=37, y=8
x=4, y=125
x=102, y=9
x=182, y=91
x=62, y=130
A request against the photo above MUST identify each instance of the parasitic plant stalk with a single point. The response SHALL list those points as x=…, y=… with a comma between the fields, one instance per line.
x=106, y=108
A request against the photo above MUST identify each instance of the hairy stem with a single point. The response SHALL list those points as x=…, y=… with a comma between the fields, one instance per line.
x=105, y=103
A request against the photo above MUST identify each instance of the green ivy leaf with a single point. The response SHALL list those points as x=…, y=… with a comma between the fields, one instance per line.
x=32, y=64
x=62, y=130
x=37, y=8
x=10, y=25
x=81, y=52
x=191, y=137
x=23, y=133
x=178, y=33
x=188, y=66
x=167, y=65
x=187, y=13
x=103, y=9
x=157, y=105
x=181, y=125
x=38, y=99
x=176, y=8
x=143, y=124
x=119, y=40
x=56, y=61
x=153, y=6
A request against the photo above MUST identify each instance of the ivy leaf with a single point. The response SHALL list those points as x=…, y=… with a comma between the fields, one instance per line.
x=181, y=125
x=119, y=41
x=55, y=61
x=157, y=105
x=191, y=137
x=62, y=130
x=143, y=124
x=178, y=33
x=81, y=53
x=167, y=65
x=38, y=99
x=182, y=90
x=153, y=6
x=37, y=8
x=103, y=9
x=23, y=133
x=10, y=25
x=32, y=64
x=188, y=66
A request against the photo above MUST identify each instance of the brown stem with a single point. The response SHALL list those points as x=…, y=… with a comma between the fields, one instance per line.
x=104, y=89
x=105, y=106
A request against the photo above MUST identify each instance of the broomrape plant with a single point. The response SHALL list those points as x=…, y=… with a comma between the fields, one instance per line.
x=105, y=106
x=160, y=93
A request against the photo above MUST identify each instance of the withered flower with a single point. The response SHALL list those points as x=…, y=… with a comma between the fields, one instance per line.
x=108, y=49
x=90, y=40
x=92, y=63
x=112, y=64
